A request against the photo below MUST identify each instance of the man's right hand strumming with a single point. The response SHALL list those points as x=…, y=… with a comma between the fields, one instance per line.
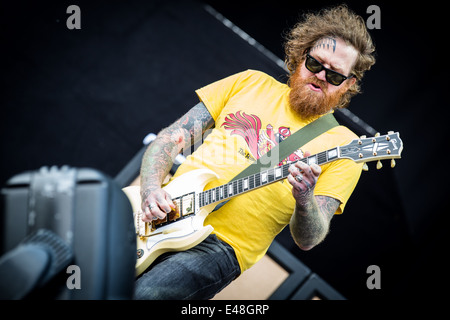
x=156, y=203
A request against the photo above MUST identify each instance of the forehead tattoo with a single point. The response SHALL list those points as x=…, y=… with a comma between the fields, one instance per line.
x=325, y=43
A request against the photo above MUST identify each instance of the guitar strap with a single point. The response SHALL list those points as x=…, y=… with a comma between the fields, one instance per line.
x=288, y=146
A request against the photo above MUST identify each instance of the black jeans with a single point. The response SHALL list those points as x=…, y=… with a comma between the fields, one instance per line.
x=198, y=273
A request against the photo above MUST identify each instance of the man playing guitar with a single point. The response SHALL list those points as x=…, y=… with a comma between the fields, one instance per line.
x=246, y=114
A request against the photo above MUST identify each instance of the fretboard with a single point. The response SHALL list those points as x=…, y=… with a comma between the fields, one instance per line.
x=263, y=178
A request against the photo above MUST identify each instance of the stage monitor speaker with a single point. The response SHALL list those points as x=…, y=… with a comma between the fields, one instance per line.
x=66, y=234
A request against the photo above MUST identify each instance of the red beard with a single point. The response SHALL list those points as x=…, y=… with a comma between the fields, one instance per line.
x=308, y=103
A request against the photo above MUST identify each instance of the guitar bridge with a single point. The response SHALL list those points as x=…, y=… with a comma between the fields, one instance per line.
x=143, y=229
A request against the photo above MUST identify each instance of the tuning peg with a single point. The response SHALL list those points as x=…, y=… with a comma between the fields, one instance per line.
x=363, y=137
x=390, y=132
x=365, y=167
x=379, y=165
x=377, y=134
x=392, y=163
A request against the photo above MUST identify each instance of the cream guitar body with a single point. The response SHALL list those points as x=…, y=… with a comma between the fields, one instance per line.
x=184, y=233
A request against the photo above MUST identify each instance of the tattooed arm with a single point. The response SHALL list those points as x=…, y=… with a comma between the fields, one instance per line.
x=309, y=225
x=159, y=157
x=310, y=222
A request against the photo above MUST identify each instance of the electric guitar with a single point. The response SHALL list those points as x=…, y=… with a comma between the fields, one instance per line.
x=183, y=227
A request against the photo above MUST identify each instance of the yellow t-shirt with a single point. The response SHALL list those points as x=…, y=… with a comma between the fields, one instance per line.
x=252, y=113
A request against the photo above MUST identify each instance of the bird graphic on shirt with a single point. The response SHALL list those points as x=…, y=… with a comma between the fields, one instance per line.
x=249, y=127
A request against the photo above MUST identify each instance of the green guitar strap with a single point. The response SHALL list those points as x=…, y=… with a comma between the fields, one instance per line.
x=287, y=147
x=290, y=144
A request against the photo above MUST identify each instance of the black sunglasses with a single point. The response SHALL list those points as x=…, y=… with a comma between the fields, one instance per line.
x=333, y=77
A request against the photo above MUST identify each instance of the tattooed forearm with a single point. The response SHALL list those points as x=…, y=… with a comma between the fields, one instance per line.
x=159, y=157
x=327, y=205
x=156, y=163
x=310, y=224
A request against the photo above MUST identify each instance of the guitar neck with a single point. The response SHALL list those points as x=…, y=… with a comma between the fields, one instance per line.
x=263, y=178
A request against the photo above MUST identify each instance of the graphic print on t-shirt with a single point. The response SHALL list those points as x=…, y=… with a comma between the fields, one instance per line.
x=259, y=140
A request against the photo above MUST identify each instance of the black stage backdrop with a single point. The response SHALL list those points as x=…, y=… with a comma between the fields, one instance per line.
x=87, y=98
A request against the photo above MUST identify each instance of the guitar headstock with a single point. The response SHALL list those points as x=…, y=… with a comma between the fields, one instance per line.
x=364, y=149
